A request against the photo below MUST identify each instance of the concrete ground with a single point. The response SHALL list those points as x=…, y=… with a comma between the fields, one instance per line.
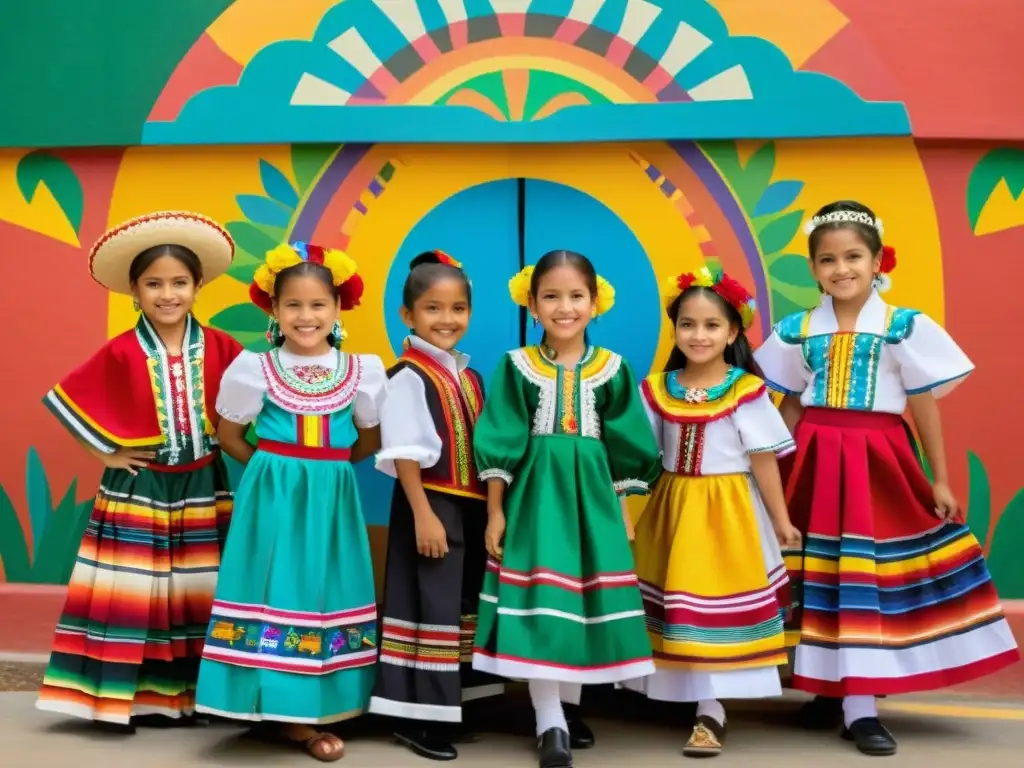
x=933, y=732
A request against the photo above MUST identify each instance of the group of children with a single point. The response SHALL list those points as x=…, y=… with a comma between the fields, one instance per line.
x=511, y=552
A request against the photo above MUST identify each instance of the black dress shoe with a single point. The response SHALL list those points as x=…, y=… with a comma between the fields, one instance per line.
x=427, y=742
x=871, y=737
x=821, y=714
x=580, y=735
x=554, y=749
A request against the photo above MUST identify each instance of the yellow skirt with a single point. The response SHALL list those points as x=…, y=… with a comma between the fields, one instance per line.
x=713, y=579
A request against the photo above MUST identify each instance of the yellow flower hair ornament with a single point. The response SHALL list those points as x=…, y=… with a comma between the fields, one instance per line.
x=734, y=294
x=344, y=273
x=519, y=290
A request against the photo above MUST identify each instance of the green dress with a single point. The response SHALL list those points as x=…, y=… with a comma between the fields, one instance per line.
x=564, y=604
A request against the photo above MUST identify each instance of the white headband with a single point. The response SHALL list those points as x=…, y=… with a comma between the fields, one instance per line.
x=838, y=216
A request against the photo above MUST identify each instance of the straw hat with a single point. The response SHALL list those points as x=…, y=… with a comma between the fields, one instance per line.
x=111, y=257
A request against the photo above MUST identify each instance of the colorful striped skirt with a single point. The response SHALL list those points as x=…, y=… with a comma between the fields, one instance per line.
x=715, y=590
x=894, y=599
x=130, y=637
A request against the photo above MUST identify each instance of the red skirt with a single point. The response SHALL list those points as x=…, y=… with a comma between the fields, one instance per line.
x=892, y=599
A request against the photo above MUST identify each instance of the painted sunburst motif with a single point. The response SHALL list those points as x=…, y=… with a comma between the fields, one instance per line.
x=522, y=95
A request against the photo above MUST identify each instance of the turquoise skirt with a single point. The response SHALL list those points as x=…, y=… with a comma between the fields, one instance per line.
x=293, y=633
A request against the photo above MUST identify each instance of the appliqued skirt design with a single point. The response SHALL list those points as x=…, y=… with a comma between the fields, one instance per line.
x=430, y=614
x=894, y=599
x=715, y=590
x=130, y=637
x=293, y=636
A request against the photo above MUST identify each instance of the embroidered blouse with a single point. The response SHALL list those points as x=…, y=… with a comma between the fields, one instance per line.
x=253, y=377
x=713, y=431
x=133, y=394
x=597, y=398
x=434, y=400
x=892, y=353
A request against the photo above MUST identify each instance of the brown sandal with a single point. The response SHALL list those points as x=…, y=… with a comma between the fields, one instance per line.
x=318, y=747
x=706, y=739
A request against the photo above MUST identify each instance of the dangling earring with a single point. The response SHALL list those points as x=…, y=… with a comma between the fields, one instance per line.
x=534, y=321
x=820, y=289
x=876, y=280
x=274, y=335
x=135, y=304
x=337, y=334
x=593, y=314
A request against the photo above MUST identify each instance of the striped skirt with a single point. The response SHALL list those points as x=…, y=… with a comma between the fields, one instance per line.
x=894, y=599
x=131, y=634
x=715, y=590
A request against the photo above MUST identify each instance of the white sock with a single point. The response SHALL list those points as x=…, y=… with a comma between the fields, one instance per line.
x=570, y=693
x=711, y=708
x=858, y=707
x=547, y=705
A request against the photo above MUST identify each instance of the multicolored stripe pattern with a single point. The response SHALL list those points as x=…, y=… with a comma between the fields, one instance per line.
x=130, y=637
x=430, y=647
x=313, y=431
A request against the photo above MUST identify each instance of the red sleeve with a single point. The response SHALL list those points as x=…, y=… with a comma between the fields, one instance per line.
x=221, y=351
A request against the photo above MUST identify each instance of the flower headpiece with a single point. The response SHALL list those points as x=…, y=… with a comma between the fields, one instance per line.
x=444, y=258
x=347, y=282
x=836, y=217
x=519, y=290
x=729, y=289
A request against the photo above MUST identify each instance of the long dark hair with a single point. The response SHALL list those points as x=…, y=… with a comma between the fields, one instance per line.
x=563, y=258
x=738, y=354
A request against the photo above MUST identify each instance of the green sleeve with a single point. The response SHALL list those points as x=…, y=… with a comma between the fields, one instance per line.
x=503, y=429
x=632, y=447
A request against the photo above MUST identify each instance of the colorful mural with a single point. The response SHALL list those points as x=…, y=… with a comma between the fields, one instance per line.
x=652, y=135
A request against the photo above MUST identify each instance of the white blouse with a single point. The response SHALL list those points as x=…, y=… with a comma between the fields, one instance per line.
x=244, y=385
x=742, y=421
x=407, y=430
x=892, y=353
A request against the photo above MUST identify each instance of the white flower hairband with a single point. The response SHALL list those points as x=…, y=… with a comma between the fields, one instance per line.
x=839, y=216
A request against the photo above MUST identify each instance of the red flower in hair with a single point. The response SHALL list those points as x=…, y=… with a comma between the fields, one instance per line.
x=350, y=292
x=888, y=261
x=730, y=290
x=685, y=280
x=260, y=298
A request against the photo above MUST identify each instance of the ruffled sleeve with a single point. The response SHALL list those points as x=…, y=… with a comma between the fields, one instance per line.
x=781, y=357
x=503, y=430
x=929, y=359
x=242, y=389
x=407, y=430
x=371, y=392
x=761, y=427
x=633, y=452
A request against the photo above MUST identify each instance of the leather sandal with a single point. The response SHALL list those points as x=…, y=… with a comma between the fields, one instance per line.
x=706, y=739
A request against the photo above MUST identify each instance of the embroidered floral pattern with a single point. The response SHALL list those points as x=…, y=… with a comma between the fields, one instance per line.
x=691, y=449
x=312, y=374
x=296, y=395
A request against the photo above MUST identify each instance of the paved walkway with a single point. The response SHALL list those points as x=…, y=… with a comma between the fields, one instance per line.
x=933, y=733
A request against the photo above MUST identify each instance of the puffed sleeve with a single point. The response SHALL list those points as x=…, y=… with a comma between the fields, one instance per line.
x=242, y=389
x=371, y=393
x=781, y=359
x=633, y=451
x=761, y=427
x=929, y=359
x=407, y=430
x=503, y=430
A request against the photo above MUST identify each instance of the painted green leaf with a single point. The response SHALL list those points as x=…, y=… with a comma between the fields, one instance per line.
x=308, y=160
x=779, y=232
x=247, y=323
x=1004, y=554
x=1002, y=163
x=757, y=174
x=979, y=498
x=42, y=167
x=263, y=210
x=37, y=491
x=792, y=269
x=277, y=186
x=255, y=241
x=13, y=550
x=55, y=556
